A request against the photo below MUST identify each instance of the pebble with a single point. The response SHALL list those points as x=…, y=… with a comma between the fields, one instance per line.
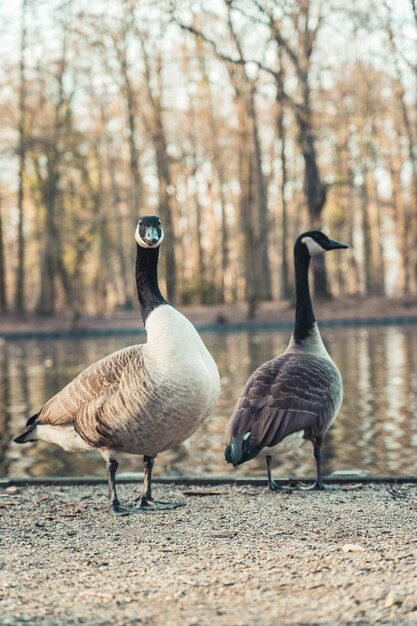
x=352, y=547
x=391, y=600
x=12, y=489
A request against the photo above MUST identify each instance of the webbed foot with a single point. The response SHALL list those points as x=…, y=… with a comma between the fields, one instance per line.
x=117, y=509
x=273, y=486
x=150, y=504
x=319, y=486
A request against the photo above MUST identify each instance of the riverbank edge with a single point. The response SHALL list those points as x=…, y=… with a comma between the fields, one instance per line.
x=204, y=328
x=273, y=315
x=201, y=481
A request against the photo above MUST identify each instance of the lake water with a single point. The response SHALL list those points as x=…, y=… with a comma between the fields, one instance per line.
x=376, y=430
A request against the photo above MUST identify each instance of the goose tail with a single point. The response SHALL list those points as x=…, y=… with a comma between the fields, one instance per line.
x=240, y=450
x=30, y=433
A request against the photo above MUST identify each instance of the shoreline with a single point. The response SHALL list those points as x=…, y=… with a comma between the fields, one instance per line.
x=220, y=318
x=349, y=478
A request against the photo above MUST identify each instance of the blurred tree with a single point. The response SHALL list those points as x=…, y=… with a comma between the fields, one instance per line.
x=130, y=101
x=218, y=161
x=256, y=119
x=409, y=130
x=155, y=125
x=3, y=291
x=22, y=130
x=47, y=160
x=284, y=280
x=253, y=207
x=303, y=24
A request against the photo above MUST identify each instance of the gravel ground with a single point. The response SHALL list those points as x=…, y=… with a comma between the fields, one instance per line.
x=243, y=556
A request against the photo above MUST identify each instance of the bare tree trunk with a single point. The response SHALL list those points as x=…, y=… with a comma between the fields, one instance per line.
x=245, y=205
x=372, y=261
x=284, y=287
x=165, y=208
x=124, y=273
x=248, y=179
x=252, y=180
x=401, y=95
x=202, y=284
x=411, y=143
x=224, y=238
x=200, y=251
x=378, y=253
x=352, y=278
x=49, y=264
x=265, y=271
x=366, y=235
x=259, y=274
x=20, y=278
x=314, y=189
x=414, y=9
x=136, y=178
x=3, y=293
x=216, y=154
x=158, y=136
x=402, y=223
x=52, y=263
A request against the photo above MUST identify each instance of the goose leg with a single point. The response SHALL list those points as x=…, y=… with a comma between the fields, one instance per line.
x=318, y=455
x=318, y=485
x=271, y=483
x=145, y=501
x=115, y=506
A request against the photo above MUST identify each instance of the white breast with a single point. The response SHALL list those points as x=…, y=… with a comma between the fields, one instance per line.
x=183, y=373
x=175, y=348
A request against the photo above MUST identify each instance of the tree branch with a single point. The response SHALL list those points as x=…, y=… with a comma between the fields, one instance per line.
x=414, y=8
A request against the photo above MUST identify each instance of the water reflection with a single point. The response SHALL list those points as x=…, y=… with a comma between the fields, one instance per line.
x=375, y=431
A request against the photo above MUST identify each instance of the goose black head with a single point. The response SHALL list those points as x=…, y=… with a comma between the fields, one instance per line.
x=316, y=242
x=149, y=232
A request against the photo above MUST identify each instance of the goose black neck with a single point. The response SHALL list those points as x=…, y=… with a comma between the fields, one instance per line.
x=304, y=315
x=147, y=286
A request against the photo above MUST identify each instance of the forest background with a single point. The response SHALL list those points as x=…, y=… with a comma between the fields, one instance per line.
x=240, y=122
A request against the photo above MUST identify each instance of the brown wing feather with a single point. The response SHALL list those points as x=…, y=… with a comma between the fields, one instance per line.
x=285, y=395
x=93, y=384
x=107, y=420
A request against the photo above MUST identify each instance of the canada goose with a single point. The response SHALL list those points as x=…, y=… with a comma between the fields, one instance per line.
x=143, y=399
x=295, y=396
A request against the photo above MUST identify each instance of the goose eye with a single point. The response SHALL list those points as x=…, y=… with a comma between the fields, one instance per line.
x=140, y=222
x=159, y=222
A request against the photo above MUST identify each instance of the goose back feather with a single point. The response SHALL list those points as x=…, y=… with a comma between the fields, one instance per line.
x=288, y=394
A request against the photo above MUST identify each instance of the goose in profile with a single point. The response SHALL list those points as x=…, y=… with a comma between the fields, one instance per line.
x=295, y=396
x=142, y=399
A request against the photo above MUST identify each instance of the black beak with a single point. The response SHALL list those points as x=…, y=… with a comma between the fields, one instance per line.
x=334, y=245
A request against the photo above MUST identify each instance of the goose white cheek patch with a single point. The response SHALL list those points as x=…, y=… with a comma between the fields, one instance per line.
x=141, y=242
x=314, y=248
